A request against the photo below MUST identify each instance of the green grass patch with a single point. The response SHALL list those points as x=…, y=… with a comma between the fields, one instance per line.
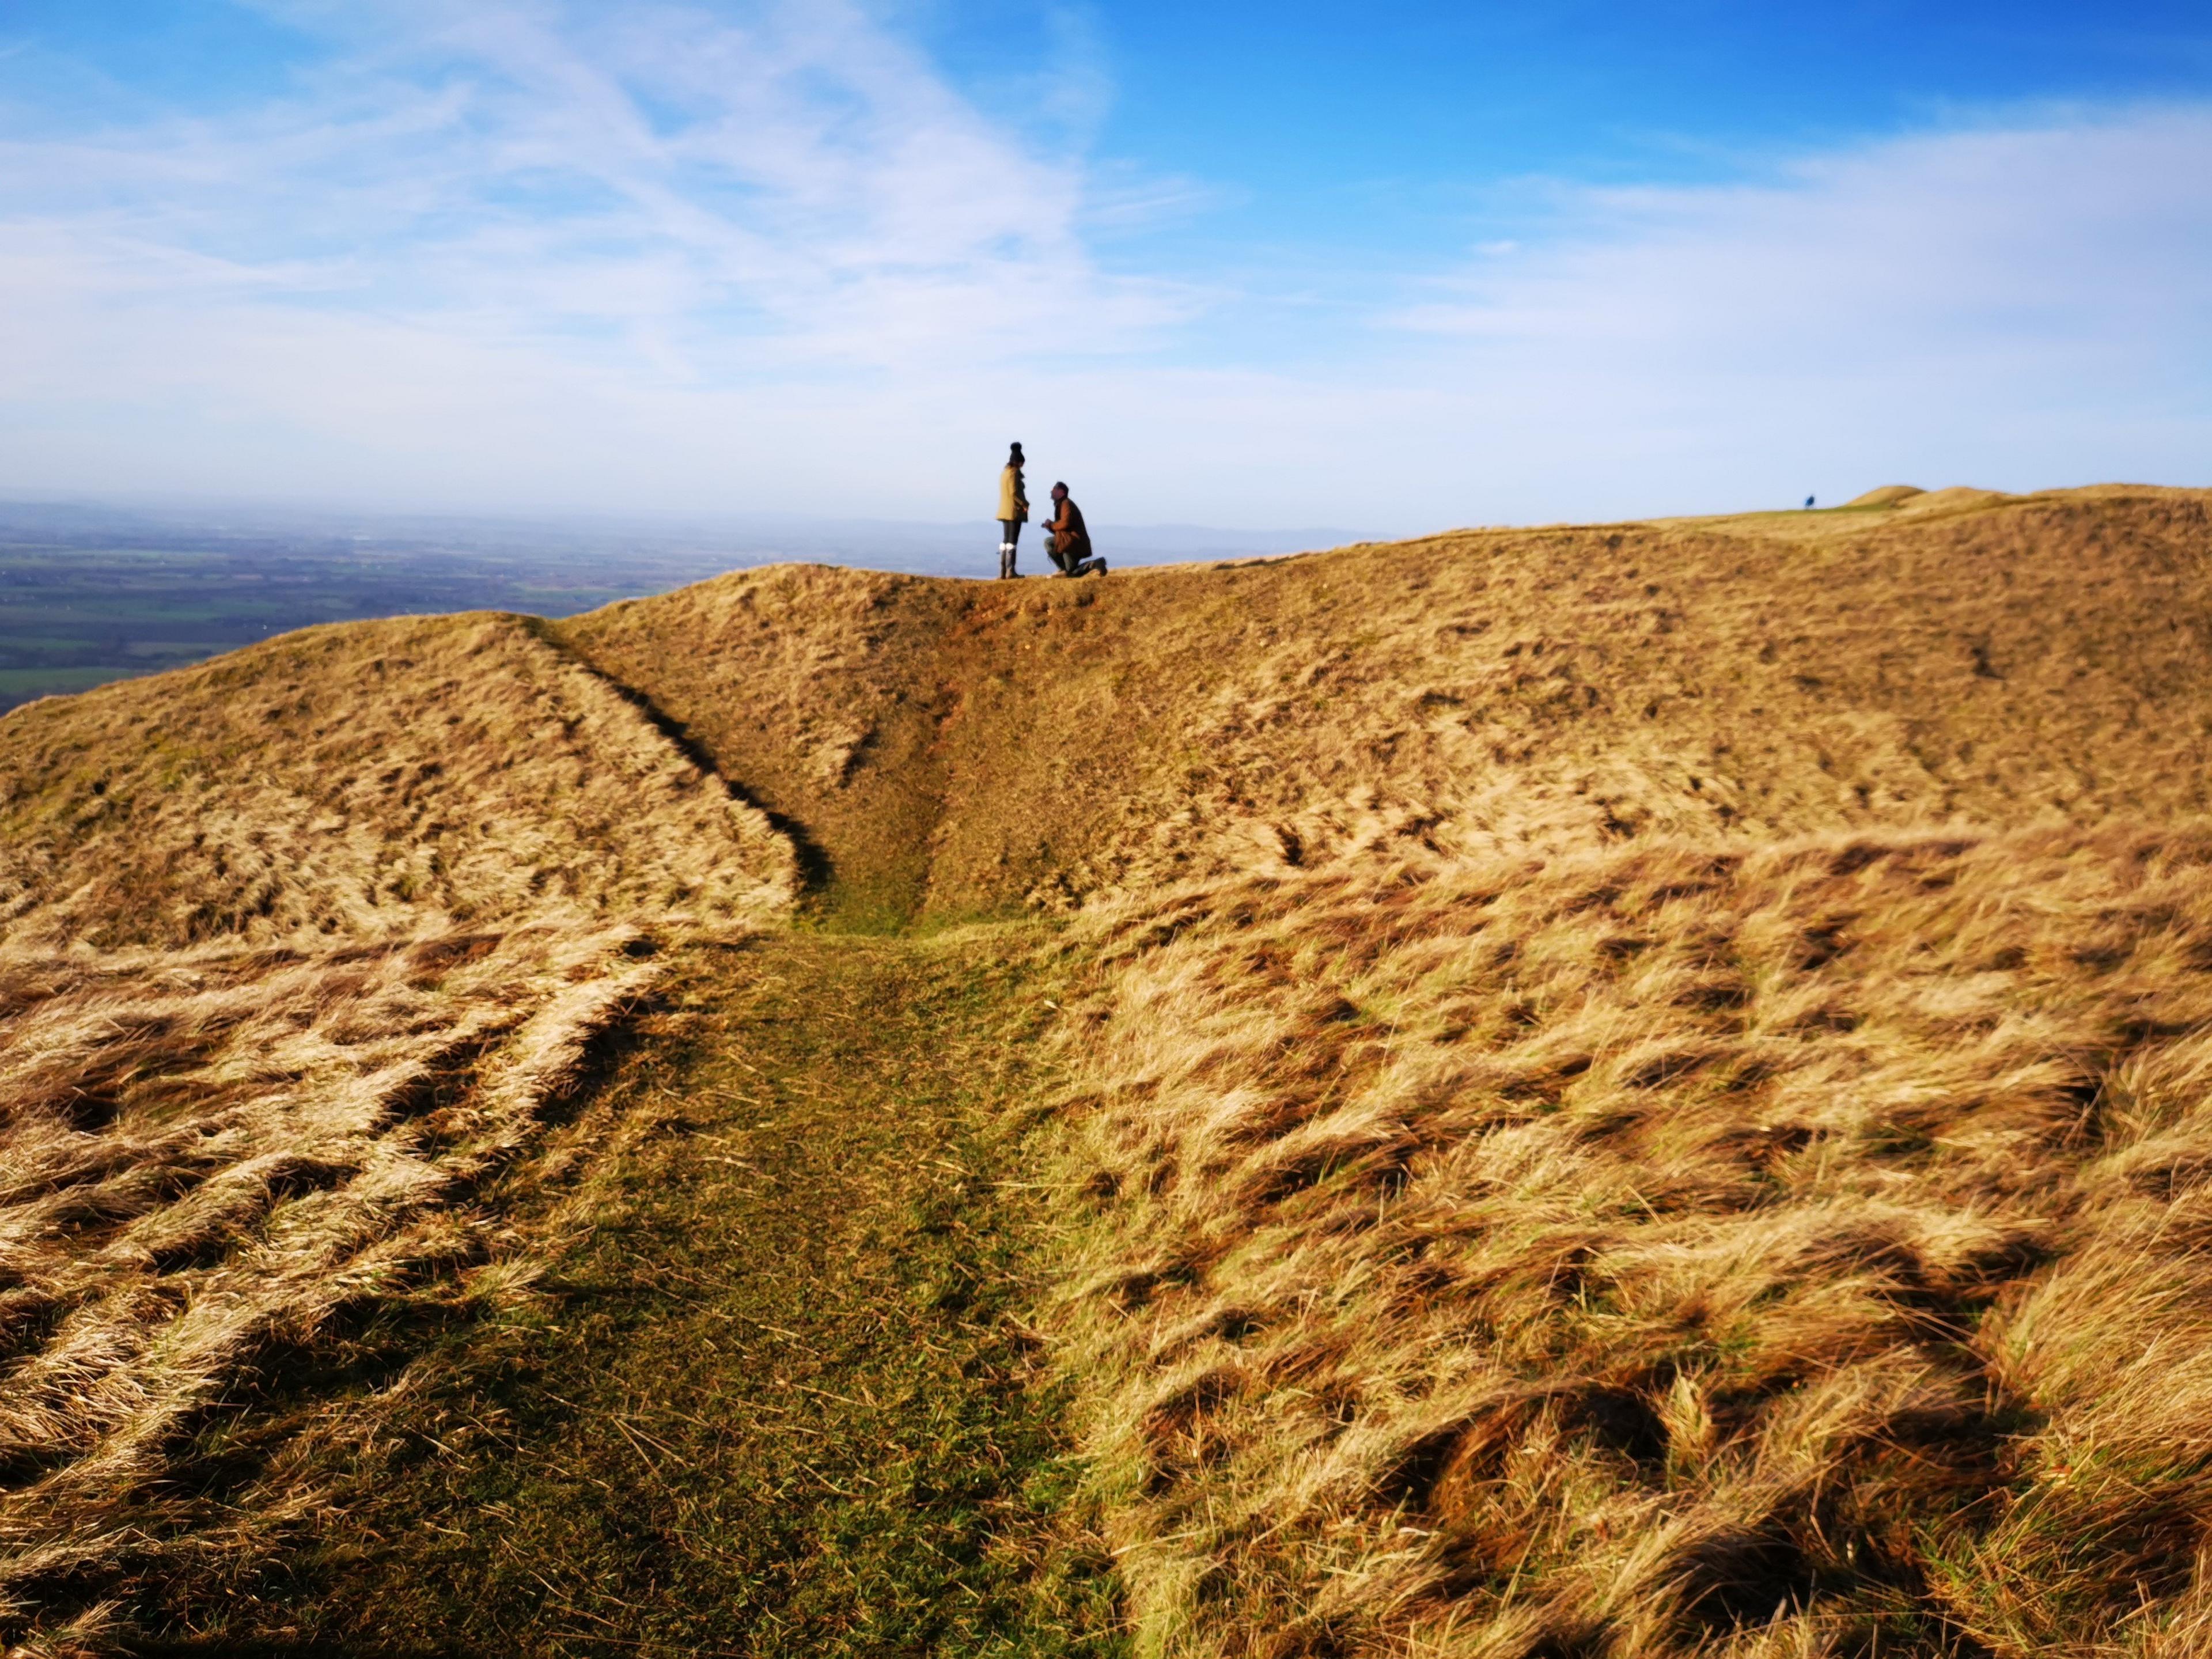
x=22, y=684
x=776, y=1395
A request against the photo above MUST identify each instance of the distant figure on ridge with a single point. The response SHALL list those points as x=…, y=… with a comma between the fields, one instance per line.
x=1809, y=503
x=1070, y=542
x=1013, y=511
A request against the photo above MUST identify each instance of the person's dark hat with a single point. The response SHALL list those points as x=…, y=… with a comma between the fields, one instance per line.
x=1014, y=449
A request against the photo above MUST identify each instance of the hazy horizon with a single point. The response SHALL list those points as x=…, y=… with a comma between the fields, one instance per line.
x=746, y=537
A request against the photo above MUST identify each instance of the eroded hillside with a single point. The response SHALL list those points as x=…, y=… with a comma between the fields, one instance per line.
x=1612, y=1091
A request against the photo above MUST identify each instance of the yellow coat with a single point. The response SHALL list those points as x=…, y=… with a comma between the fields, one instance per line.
x=1013, y=505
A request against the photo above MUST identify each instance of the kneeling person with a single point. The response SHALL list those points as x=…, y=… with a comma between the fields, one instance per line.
x=1070, y=542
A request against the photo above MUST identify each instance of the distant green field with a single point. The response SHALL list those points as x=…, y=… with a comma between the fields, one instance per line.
x=22, y=684
x=73, y=617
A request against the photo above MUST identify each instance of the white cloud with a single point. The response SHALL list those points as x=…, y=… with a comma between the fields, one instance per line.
x=515, y=254
x=2020, y=304
x=798, y=192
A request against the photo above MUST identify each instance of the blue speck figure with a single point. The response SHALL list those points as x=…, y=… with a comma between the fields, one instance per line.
x=1809, y=503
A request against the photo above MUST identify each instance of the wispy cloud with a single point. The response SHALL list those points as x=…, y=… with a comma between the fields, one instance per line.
x=804, y=172
x=2028, y=301
x=529, y=254
x=591, y=208
x=1988, y=235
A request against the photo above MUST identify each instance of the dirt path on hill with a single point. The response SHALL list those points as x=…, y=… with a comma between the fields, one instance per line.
x=774, y=1396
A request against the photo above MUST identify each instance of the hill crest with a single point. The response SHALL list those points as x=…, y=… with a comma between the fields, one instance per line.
x=1606, y=1089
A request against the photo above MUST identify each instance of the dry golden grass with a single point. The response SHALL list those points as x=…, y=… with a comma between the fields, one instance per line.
x=823, y=690
x=964, y=748
x=1659, y=1251
x=211, y=1151
x=299, y=946
x=363, y=781
x=1644, y=1088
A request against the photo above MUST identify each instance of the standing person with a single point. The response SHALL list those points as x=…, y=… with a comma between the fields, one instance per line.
x=1070, y=546
x=1013, y=511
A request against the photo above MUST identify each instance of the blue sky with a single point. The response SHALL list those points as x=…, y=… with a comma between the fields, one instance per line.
x=1234, y=264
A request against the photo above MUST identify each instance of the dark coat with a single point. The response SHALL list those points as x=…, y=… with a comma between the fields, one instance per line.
x=1069, y=538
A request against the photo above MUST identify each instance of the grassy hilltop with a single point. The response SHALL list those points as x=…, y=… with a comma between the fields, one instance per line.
x=1602, y=1091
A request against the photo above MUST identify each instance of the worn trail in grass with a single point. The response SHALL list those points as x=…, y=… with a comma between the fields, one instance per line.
x=775, y=1395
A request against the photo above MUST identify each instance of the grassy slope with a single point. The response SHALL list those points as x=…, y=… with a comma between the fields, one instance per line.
x=372, y=780
x=772, y=1395
x=1783, y=1408
x=967, y=748
x=824, y=691
x=214, y=1155
x=1636, y=1250
x=1430, y=720
x=301, y=949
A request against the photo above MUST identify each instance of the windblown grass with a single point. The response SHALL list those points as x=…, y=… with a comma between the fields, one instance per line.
x=1641, y=1092
x=956, y=748
x=364, y=780
x=211, y=1151
x=771, y=1391
x=1666, y=1250
x=301, y=945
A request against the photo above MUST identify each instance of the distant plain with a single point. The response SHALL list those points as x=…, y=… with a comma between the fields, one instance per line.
x=73, y=617
x=89, y=595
